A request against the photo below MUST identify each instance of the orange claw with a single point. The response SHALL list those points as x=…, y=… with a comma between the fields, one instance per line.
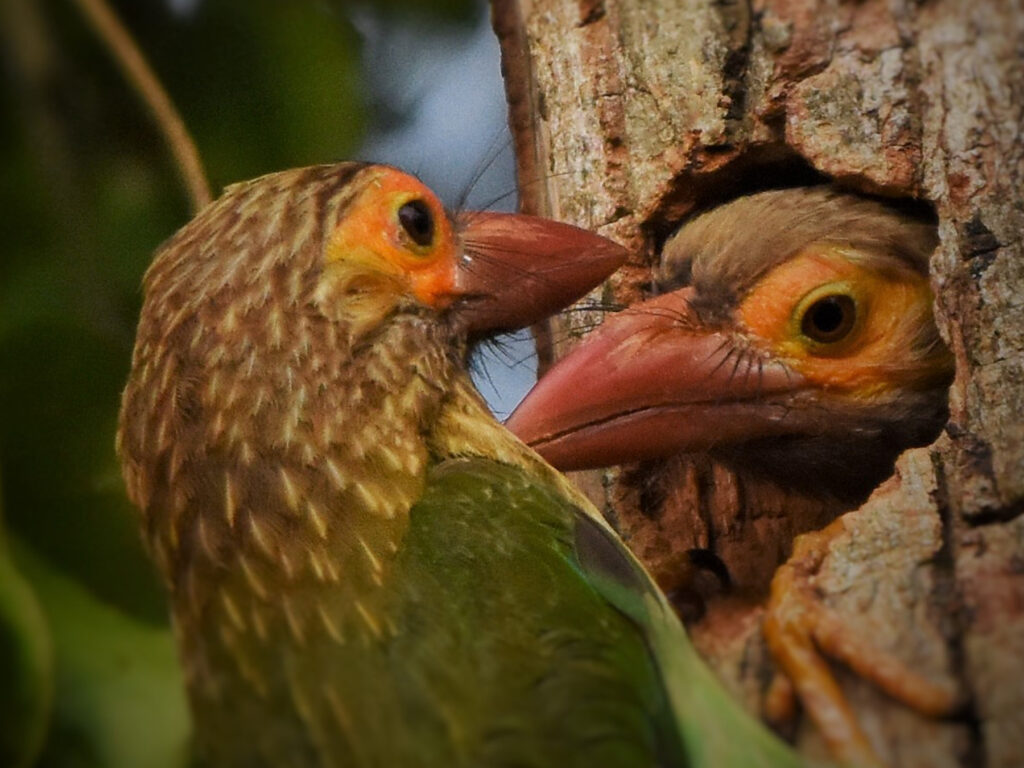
x=801, y=631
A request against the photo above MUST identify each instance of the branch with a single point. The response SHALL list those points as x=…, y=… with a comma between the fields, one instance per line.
x=141, y=77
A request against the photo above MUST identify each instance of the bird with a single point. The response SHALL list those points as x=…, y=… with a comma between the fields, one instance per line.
x=792, y=341
x=364, y=567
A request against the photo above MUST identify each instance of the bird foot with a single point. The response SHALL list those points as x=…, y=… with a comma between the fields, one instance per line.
x=801, y=631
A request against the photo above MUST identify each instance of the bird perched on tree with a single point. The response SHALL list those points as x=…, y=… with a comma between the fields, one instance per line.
x=793, y=341
x=365, y=568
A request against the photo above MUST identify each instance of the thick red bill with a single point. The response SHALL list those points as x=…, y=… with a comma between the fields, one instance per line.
x=517, y=269
x=650, y=382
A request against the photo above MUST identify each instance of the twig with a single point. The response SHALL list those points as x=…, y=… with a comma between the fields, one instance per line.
x=141, y=77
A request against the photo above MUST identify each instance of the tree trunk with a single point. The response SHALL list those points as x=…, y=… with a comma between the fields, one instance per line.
x=629, y=115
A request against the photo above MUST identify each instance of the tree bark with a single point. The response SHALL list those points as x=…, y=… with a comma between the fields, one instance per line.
x=628, y=115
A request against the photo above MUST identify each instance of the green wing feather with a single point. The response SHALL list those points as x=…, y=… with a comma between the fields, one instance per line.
x=715, y=730
x=563, y=678
x=508, y=629
x=490, y=647
x=556, y=572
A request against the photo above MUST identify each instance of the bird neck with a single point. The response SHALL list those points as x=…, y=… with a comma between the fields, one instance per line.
x=276, y=516
x=272, y=475
x=465, y=427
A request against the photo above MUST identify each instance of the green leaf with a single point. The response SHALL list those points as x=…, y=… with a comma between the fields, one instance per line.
x=26, y=667
x=120, y=700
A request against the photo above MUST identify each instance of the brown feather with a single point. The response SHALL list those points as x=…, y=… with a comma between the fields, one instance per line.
x=726, y=251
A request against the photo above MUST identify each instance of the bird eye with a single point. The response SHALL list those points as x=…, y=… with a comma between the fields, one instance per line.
x=829, y=319
x=417, y=221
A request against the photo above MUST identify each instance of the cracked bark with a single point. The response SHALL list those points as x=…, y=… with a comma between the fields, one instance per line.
x=630, y=115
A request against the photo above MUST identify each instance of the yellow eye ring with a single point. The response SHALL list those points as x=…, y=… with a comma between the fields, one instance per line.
x=416, y=225
x=828, y=317
x=417, y=222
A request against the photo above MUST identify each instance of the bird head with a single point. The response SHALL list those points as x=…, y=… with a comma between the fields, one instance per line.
x=396, y=246
x=794, y=335
x=356, y=242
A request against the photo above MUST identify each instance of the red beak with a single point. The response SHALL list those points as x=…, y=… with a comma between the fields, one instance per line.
x=517, y=269
x=650, y=382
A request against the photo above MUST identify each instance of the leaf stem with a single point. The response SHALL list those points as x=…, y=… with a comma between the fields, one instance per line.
x=118, y=40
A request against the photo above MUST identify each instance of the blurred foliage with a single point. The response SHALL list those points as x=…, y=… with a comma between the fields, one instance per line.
x=88, y=192
x=26, y=665
x=119, y=701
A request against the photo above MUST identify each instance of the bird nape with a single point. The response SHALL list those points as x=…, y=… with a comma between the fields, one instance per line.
x=364, y=567
x=793, y=342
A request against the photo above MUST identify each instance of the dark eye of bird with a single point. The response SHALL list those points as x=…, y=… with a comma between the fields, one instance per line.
x=829, y=319
x=417, y=221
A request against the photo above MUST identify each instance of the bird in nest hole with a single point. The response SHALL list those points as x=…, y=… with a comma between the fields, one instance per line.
x=792, y=341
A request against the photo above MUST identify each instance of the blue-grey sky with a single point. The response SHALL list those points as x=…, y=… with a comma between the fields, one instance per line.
x=442, y=91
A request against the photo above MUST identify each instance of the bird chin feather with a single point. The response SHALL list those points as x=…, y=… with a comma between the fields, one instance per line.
x=853, y=446
x=358, y=297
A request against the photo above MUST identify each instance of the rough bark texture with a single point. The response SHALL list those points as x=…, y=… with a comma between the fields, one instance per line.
x=630, y=115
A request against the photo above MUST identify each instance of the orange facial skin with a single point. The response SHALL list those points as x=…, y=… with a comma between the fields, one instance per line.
x=890, y=306
x=396, y=240
x=371, y=232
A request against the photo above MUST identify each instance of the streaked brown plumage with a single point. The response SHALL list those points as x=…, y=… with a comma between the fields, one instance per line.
x=794, y=343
